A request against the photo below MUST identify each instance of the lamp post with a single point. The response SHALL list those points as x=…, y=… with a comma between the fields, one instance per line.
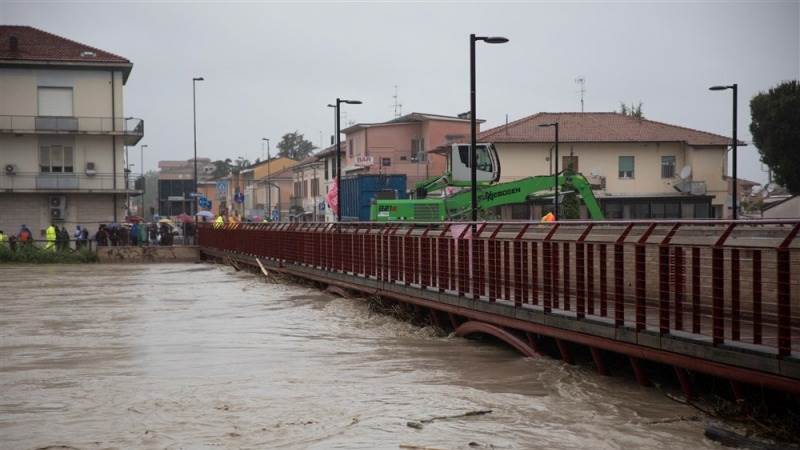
x=144, y=180
x=734, y=144
x=339, y=102
x=473, y=159
x=555, y=172
x=269, y=173
x=194, y=124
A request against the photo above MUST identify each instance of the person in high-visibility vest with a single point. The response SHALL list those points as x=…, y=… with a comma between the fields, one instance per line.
x=3, y=238
x=219, y=222
x=549, y=217
x=51, y=238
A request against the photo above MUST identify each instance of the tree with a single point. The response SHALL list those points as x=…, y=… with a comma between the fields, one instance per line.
x=222, y=168
x=776, y=132
x=632, y=110
x=294, y=146
x=570, y=205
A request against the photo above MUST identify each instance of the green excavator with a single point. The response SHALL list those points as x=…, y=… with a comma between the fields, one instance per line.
x=491, y=193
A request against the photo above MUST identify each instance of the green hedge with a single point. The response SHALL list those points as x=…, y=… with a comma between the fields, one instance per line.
x=33, y=254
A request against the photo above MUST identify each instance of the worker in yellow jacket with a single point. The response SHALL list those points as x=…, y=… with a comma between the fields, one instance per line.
x=219, y=222
x=549, y=217
x=50, y=233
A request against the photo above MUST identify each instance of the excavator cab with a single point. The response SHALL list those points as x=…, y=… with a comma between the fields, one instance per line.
x=487, y=169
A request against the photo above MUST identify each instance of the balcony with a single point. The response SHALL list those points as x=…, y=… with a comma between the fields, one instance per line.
x=38, y=182
x=130, y=128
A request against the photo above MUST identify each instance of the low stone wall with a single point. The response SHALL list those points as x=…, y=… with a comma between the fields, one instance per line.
x=130, y=254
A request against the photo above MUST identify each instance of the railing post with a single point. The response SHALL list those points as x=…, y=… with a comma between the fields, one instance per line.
x=520, y=273
x=619, y=277
x=756, y=296
x=785, y=294
x=663, y=281
x=443, y=266
x=547, y=268
x=641, y=280
x=718, y=287
x=580, y=273
x=493, y=264
x=463, y=266
x=477, y=263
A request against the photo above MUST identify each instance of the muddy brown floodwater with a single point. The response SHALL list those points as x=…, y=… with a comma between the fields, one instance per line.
x=198, y=356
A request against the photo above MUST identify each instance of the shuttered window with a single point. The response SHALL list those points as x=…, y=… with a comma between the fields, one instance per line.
x=55, y=101
x=626, y=166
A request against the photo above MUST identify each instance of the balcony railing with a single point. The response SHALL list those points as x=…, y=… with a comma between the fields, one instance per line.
x=131, y=128
x=64, y=182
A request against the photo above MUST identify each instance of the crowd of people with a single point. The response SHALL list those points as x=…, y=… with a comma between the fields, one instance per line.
x=57, y=238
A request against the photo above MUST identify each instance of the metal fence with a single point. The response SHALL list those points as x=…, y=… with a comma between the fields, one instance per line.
x=732, y=282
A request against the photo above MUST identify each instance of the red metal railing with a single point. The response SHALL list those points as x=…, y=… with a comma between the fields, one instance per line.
x=735, y=282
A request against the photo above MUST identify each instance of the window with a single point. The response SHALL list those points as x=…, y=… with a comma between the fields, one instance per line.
x=667, y=166
x=55, y=158
x=305, y=188
x=613, y=210
x=520, y=211
x=484, y=161
x=626, y=166
x=418, y=150
x=386, y=162
x=640, y=210
x=55, y=101
x=351, y=147
x=315, y=187
x=569, y=163
x=326, y=168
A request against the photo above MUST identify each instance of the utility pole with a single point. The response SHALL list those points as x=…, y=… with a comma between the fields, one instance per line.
x=582, y=83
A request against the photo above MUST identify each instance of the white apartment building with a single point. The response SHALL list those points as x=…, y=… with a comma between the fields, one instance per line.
x=62, y=132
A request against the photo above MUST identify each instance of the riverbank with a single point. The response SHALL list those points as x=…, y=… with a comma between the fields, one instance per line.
x=31, y=254
x=36, y=255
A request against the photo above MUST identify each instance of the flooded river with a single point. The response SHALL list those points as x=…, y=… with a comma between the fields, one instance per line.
x=197, y=356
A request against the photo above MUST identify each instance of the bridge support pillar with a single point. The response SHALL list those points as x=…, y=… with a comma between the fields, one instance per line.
x=638, y=372
x=599, y=363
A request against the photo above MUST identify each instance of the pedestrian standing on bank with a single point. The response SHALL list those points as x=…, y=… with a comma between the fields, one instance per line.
x=101, y=237
x=77, y=236
x=50, y=236
x=133, y=235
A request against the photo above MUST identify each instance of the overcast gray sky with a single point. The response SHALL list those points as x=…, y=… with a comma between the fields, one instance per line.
x=271, y=68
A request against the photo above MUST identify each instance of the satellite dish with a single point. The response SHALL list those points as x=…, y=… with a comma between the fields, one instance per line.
x=686, y=172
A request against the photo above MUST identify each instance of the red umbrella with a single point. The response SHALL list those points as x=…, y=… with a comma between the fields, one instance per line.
x=134, y=219
x=185, y=218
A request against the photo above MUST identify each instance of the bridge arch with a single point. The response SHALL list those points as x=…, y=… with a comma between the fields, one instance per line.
x=473, y=326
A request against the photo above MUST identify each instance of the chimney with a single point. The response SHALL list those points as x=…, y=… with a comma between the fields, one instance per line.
x=13, y=44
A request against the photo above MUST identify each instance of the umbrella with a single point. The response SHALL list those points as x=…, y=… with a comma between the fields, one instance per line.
x=134, y=219
x=185, y=218
x=206, y=214
x=165, y=221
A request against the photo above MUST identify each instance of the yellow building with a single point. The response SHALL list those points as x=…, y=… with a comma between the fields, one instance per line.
x=640, y=168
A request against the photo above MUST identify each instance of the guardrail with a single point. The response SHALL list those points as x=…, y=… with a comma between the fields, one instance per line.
x=65, y=181
x=130, y=127
x=730, y=282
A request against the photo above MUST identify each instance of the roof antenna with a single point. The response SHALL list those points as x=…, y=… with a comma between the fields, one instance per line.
x=506, y=123
x=398, y=108
x=581, y=81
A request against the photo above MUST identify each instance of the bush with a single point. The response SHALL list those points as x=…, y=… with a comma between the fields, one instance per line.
x=37, y=255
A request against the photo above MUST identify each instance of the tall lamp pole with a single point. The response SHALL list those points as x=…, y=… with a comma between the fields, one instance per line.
x=144, y=180
x=269, y=173
x=473, y=159
x=194, y=123
x=734, y=144
x=555, y=172
x=339, y=102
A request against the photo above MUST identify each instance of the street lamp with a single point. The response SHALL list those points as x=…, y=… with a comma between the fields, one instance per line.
x=269, y=173
x=734, y=143
x=194, y=124
x=141, y=166
x=555, y=173
x=338, y=107
x=473, y=159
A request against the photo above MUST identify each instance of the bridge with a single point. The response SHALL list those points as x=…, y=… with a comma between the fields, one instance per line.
x=714, y=297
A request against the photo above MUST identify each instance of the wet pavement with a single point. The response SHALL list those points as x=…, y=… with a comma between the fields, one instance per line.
x=170, y=356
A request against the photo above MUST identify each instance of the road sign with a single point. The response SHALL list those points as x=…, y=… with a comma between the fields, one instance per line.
x=194, y=194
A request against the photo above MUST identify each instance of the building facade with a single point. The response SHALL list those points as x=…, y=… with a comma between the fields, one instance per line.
x=639, y=168
x=307, y=202
x=62, y=132
x=176, y=183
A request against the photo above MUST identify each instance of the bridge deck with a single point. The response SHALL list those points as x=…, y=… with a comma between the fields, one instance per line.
x=699, y=295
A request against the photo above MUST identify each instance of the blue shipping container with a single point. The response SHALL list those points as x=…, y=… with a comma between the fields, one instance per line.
x=358, y=192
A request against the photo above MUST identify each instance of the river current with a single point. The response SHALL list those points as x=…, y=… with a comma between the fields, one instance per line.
x=198, y=356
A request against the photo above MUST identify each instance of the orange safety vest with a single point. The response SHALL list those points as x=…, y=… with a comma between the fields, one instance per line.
x=549, y=217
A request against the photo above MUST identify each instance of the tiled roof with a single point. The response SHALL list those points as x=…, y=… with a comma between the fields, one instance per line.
x=598, y=127
x=34, y=44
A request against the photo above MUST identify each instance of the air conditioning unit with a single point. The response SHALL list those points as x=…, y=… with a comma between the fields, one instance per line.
x=10, y=169
x=58, y=207
x=90, y=169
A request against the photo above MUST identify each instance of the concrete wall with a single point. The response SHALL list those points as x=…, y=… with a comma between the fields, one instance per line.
x=148, y=254
x=87, y=210
x=789, y=209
